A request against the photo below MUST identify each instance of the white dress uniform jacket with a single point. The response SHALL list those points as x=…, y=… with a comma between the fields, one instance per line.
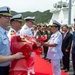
x=55, y=52
x=27, y=32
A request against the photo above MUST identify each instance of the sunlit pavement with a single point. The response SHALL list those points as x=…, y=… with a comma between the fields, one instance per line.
x=71, y=69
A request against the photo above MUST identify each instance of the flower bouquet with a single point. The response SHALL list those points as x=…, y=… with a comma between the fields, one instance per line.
x=21, y=66
x=29, y=47
x=41, y=38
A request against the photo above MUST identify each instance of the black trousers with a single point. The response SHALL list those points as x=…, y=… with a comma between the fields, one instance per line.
x=4, y=70
x=73, y=61
x=66, y=60
x=45, y=51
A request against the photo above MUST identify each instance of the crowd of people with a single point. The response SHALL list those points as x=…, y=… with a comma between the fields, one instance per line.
x=58, y=46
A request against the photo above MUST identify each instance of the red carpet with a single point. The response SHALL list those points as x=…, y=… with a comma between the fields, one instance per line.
x=42, y=67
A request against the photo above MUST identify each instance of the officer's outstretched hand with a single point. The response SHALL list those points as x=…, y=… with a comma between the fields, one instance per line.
x=18, y=55
x=39, y=44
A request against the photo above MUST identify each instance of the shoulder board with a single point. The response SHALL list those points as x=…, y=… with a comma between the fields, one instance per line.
x=25, y=28
x=58, y=33
x=12, y=32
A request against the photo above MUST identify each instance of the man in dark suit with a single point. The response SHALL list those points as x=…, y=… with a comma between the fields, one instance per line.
x=66, y=45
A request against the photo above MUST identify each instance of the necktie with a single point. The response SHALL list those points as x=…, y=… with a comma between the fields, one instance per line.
x=64, y=35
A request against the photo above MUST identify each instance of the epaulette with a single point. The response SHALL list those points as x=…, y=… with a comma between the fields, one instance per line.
x=12, y=32
x=58, y=33
x=25, y=27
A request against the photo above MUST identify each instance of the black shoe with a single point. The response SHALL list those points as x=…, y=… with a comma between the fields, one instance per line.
x=66, y=70
x=63, y=68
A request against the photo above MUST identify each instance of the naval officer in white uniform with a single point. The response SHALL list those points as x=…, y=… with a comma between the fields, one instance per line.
x=28, y=32
x=16, y=23
x=30, y=23
x=54, y=50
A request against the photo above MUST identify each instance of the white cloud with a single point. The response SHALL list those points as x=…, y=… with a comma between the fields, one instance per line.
x=28, y=5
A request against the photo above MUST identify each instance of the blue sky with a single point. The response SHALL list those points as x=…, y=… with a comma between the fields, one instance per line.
x=29, y=5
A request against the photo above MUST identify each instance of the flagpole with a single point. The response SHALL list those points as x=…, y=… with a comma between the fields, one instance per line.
x=69, y=14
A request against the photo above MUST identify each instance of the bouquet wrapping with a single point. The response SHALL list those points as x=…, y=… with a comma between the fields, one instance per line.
x=29, y=47
x=21, y=66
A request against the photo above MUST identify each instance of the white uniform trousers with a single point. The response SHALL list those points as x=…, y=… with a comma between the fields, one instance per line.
x=56, y=66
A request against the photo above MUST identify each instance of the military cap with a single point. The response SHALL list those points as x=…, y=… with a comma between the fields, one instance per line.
x=49, y=26
x=45, y=26
x=39, y=25
x=17, y=17
x=32, y=19
x=5, y=11
x=55, y=24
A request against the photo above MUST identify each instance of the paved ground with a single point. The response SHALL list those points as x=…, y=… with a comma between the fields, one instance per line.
x=71, y=69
